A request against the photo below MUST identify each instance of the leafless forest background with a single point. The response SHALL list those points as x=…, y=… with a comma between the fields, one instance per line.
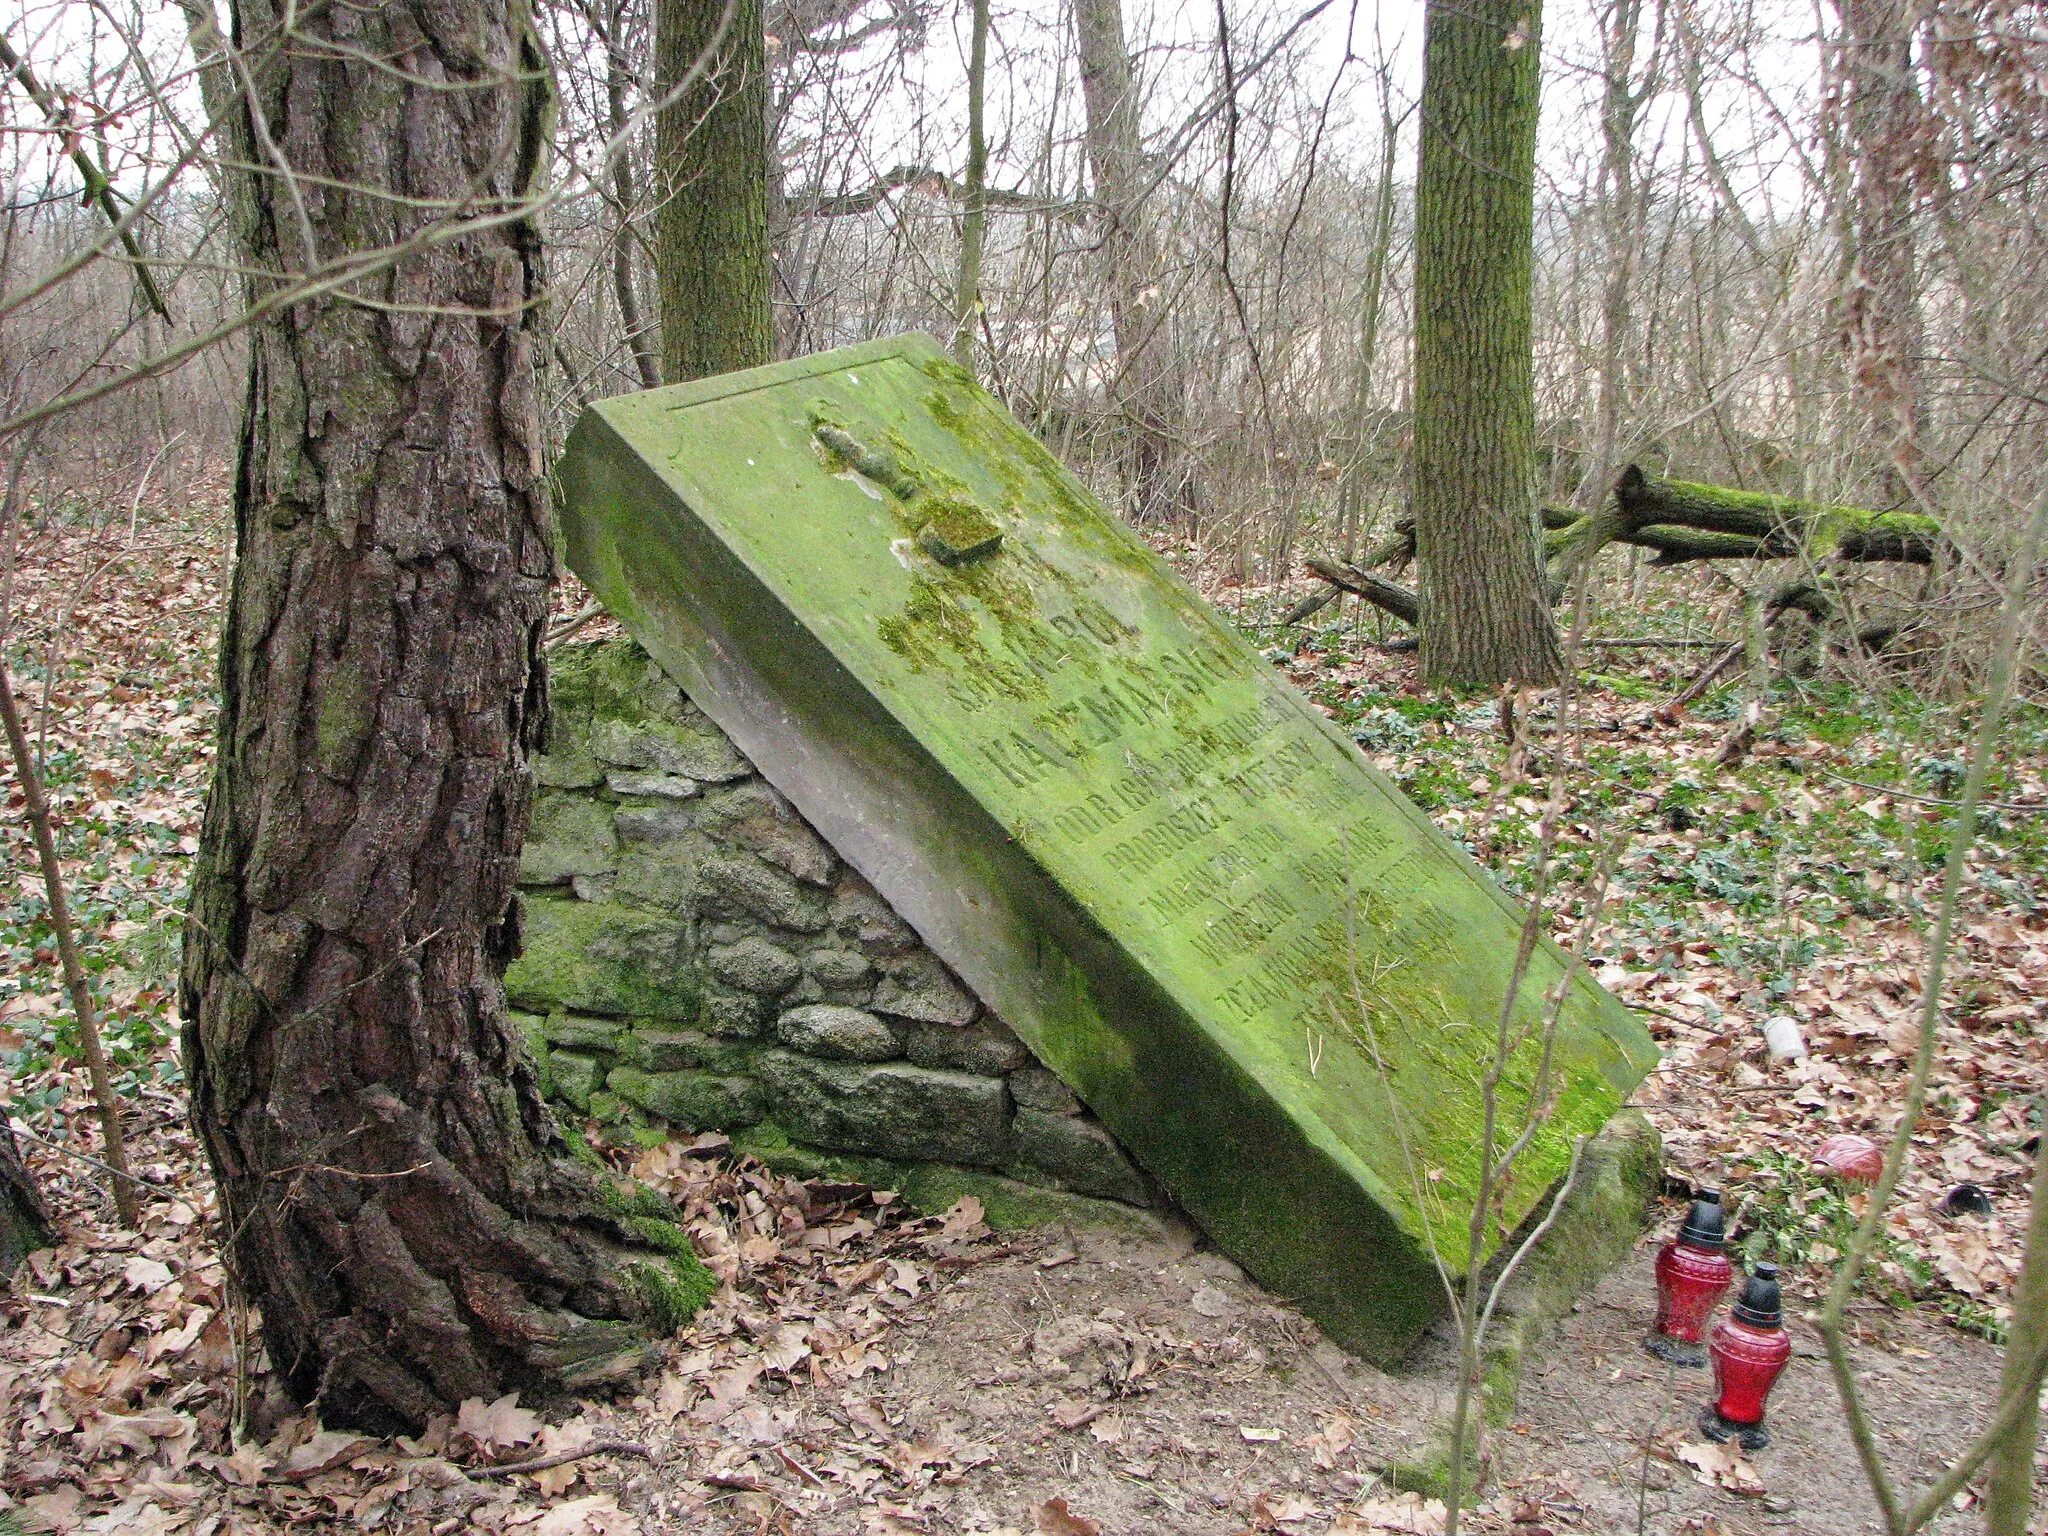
x=1782, y=248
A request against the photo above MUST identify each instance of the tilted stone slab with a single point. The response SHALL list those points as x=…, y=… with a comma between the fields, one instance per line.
x=1263, y=967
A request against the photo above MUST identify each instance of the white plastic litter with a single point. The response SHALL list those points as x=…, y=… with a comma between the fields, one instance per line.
x=1781, y=1034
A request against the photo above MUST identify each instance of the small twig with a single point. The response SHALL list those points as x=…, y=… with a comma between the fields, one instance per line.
x=36, y=807
x=1670, y=712
x=568, y=627
x=563, y=1458
x=1655, y=643
x=119, y=1173
x=1901, y=794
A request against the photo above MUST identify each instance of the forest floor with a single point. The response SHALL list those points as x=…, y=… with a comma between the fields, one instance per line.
x=870, y=1371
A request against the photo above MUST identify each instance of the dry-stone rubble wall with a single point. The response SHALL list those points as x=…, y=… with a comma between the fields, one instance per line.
x=696, y=957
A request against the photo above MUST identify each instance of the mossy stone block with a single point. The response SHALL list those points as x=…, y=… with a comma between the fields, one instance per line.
x=753, y=816
x=663, y=874
x=735, y=1014
x=660, y=786
x=600, y=957
x=654, y=1048
x=1262, y=967
x=1075, y=1154
x=838, y=1033
x=571, y=835
x=987, y=1046
x=754, y=965
x=741, y=884
x=889, y=1107
x=918, y=987
x=691, y=748
x=662, y=822
x=576, y=1077
x=582, y=1032
x=932, y=1189
x=572, y=770
x=1036, y=1088
x=695, y=1101
x=839, y=970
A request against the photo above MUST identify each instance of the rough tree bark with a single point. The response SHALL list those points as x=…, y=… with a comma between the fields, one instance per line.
x=1143, y=390
x=626, y=200
x=1879, y=120
x=24, y=1224
x=712, y=255
x=974, y=199
x=1621, y=235
x=1485, y=619
x=398, y=1201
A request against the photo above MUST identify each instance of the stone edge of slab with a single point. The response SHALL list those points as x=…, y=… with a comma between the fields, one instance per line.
x=1597, y=1228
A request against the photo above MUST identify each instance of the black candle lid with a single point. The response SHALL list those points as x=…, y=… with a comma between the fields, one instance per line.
x=1759, y=1306
x=1704, y=1223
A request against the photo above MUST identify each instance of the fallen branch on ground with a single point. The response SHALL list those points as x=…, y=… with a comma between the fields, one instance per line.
x=563, y=1458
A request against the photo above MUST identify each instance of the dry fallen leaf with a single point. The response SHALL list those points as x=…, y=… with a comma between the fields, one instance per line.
x=497, y=1426
x=963, y=1218
x=1053, y=1518
x=1405, y=1512
x=597, y=1515
x=324, y=1452
x=1720, y=1466
x=785, y=1346
x=1332, y=1439
x=1073, y=1412
x=1276, y=1508
x=146, y=1275
x=554, y=1439
x=893, y=1520
x=1211, y=1302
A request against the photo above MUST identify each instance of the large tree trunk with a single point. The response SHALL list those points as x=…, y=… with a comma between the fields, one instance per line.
x=712, y=253
x=1473, y=471
x=1144, y=391
x=24, y=1224
x=398, y=1201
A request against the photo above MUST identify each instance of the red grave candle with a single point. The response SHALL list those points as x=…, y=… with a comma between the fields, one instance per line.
x=1693, y=1273
x=1750, y=1350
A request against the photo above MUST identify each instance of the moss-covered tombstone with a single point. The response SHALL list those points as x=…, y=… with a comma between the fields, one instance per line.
x=1262, y=967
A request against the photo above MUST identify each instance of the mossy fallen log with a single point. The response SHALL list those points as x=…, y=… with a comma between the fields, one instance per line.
x=1685, y=521
x=1681, y=521
x=1389, y=596
x=1782, y=526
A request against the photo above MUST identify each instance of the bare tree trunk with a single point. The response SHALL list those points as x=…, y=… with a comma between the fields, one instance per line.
x=1144, y=391
x=1881, y=331
x=399, y=1203
x=646, y=352
x=1485, y=619
x=973, y=193
x=712, y=255
x=1621, y=101
x=1351, y=493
